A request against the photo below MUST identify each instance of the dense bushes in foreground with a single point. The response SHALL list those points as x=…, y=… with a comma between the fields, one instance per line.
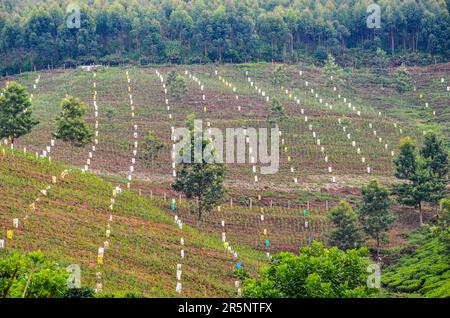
x=317, y=272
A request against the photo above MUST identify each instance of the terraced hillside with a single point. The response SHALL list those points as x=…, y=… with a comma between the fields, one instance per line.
x=336, y=135
x=221, y=107
x=69, y=224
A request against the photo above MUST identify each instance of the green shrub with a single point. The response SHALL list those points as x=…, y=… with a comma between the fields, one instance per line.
x=316, y=272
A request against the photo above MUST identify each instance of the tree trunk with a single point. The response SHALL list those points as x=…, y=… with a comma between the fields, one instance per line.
x=404, y=41
x=436, y=212
x=199, y=220
x=417, y=40
x=392, y=43
x=199, y=212
x=28, y=284
x=420, y=213
x=271, y=42
x=378, y=246
x=6, y=290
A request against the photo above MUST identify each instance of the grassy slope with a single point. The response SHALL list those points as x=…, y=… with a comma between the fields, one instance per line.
x=151, y=113
x=308, y=159
x=69, y=225
x=112, y=156
x=409, y=107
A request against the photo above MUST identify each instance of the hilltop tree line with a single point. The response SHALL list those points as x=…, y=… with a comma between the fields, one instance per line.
x=35, y=33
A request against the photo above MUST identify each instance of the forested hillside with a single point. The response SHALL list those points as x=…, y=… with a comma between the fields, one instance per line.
x=35, y=34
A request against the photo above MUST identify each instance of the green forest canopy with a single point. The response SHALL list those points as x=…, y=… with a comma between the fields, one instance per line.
x=34, y=33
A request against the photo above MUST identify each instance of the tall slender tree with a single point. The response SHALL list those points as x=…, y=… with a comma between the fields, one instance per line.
x=405, y=162
x=424, y=176
x=435, y=154
x=202, y=181
x=375, y=213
